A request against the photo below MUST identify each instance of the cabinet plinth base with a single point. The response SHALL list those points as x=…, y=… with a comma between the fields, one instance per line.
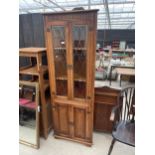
x=74, y=140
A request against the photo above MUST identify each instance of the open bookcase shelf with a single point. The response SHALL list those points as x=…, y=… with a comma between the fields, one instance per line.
x=80, y=48
x=77, y=78
x=33, y=70
x=37, y=73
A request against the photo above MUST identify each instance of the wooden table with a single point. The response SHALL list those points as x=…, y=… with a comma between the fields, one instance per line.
x=125, y=71
x=118, y=66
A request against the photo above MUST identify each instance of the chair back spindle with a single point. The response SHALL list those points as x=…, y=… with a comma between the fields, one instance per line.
x=127, y=103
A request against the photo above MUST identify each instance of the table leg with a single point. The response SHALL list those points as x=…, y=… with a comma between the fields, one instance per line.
x=120, y=79
x=110, y=75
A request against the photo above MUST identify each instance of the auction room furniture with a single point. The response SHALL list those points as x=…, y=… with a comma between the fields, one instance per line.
x=123, y=116
x=118, y=66
x=125, y=71
x=71, y=46
x=37, y=71
x=29, y=113
x=105, y=99
x=120, y=53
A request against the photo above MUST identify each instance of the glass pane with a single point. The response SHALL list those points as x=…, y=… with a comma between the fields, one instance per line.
x=27, y=114
x=79, y=60
x=79, y=36
x=59, y=46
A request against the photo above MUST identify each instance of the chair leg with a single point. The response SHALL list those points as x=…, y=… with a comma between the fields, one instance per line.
x=111, y=146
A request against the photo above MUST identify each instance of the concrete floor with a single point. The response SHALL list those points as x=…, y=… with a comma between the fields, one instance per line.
x=53, y=146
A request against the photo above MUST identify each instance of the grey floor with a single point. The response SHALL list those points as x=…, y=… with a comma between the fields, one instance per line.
x=101, y=143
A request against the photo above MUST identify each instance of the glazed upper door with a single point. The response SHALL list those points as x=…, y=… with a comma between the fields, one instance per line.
x=58, y=41
x=80, y=54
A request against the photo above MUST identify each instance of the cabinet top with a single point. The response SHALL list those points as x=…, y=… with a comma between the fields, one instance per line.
x=32, y=49
x=70, y=12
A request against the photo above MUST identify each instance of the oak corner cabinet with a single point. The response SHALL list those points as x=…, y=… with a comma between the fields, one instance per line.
x=71, y=45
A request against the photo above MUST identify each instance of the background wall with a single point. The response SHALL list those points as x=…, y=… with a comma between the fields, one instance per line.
x=31, y=30
x=107, y=36
x=31, y=33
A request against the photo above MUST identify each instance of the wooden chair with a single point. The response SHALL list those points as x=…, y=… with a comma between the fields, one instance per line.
x=123, y=116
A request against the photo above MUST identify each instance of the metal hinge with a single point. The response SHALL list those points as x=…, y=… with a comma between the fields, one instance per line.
x=38, y=108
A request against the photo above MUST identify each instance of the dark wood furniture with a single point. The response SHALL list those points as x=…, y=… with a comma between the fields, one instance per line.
x=105, y=99
x=71, y=45
x=123, y=116
x=37, y=71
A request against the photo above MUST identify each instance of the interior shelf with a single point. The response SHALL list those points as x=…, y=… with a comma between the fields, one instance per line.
x=75, y=48
x=80, y=79
x=59, y=48
x=61, y=78
x=33, y=70
x=77, y=78
x=79, y=48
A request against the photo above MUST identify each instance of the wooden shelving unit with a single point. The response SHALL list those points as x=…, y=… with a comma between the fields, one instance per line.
x=38, y=70
x=33, y=70
x=119, y=53
x=115, y=44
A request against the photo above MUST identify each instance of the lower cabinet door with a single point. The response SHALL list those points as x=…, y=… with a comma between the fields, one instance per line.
x=73, y=122
x=82, y=124
x=61, y=119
